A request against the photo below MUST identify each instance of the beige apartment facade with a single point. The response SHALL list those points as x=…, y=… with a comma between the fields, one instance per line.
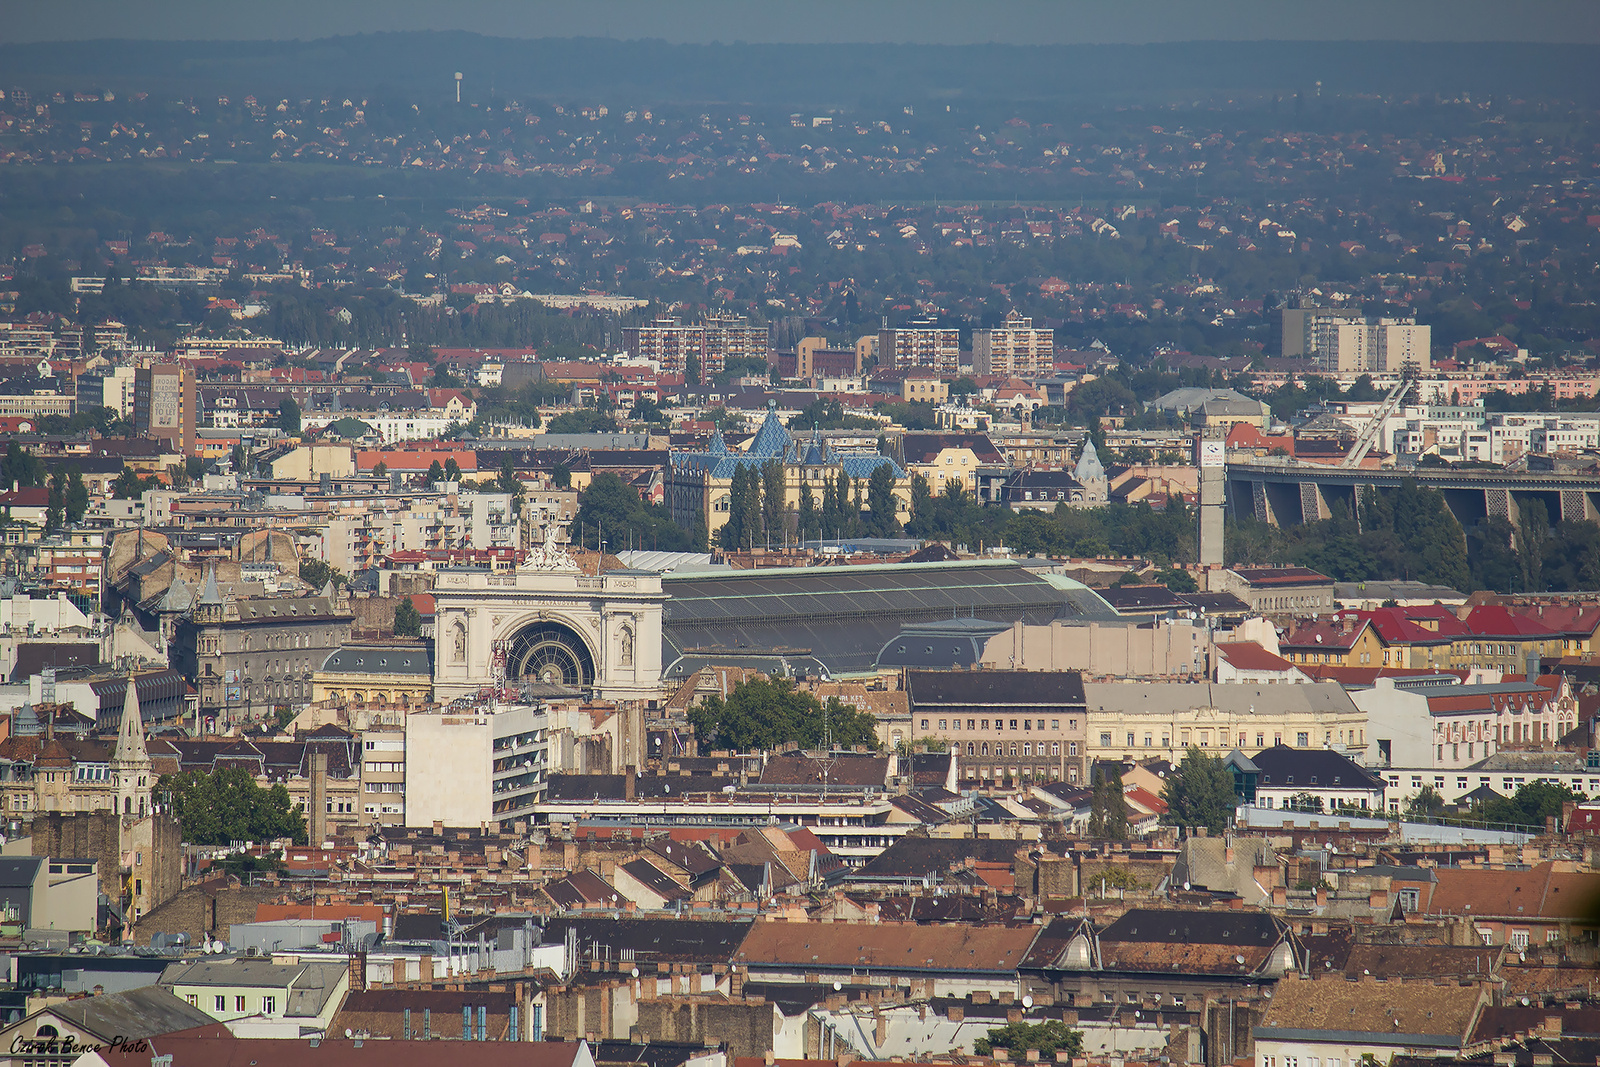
x=1147, y=720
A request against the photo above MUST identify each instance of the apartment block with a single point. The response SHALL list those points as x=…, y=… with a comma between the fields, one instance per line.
x=1013, y=349
x=111, y=388
x=1340, y=340
x=164, y=404
x=669, y=343
x=920, y=345
x=732, y=337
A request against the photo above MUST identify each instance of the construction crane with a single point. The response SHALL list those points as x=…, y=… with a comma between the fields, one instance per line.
x=1369, y=435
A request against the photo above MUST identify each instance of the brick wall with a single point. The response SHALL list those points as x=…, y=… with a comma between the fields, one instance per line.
x=208, y=908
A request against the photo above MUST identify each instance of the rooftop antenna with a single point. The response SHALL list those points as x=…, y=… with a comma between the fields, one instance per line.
x=458, y=87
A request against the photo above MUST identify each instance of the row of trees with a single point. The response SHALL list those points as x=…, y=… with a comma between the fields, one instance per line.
x=764, y=713
x=612, y=511
x=758, y=511
x=1530, y=805
x=1410, y=533
x=224, y=806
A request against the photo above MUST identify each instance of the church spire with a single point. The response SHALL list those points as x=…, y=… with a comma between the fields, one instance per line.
x=130, y=747
x=210, y=594
x=130, y=759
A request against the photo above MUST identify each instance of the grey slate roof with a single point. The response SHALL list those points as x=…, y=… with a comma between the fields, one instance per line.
x=137, y=1013
x=843, y=616
x=19, y=872
x=381, y=659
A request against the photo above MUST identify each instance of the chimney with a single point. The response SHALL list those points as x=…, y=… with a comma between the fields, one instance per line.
x=317, y=828
x=630, y=784
x=1552, y=1026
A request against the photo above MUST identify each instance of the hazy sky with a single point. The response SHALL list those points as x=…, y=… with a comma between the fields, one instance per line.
x=784, y=21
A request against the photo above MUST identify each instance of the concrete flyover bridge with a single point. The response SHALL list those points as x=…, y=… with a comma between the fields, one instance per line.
x=1286, y=492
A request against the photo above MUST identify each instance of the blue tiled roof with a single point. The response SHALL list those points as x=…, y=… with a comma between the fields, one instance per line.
x=772, y=439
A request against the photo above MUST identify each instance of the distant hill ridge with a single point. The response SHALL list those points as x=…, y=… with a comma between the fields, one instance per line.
x=421, y=64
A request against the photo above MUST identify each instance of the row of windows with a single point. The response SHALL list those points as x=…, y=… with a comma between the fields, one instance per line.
x=1266, y=802
x=1000, y=724
x=1202, y=739
x=981, y=748
x=1508, y=784
x=1050, y=771
x=269, y=1004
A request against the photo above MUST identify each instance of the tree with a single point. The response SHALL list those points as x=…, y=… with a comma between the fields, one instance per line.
x=646, y=410
x=380, y=470
x=766, y=712
x=774, y=491
x=56, y=504
x=732, y=532
x=452, y=470
x=289, y=417
x=849, y=520
x=1530, y=805
x=1178, y=580
x=750, y=515
x=1199, y=792
x=435, y=473
x=691, y=368
x=881, y=502
x=130, y=487
x=612, y=508
x=561, y=476
x=828, y=520
x=316, y=573
x=583, y=420
x=509, y=483
x=75, y=496
x=1108, y=807
x=21, y=467
x=407, y=619
x=1492, y=555
x=1533, y=533
x=1427, y=804
x=808, y=520
x=922, y=507
x=224, y=806
x=1049, y=1038
x=1304, y=802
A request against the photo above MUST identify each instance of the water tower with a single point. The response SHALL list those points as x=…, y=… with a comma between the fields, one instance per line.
x=458, y=87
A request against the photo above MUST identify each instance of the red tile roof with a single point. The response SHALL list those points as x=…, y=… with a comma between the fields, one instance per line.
x=1399, y=626
x=1365, y=676
x=1491, y=620
x=1262, y=576
x=1584, y=820
x=1542, y=892
x=1329, y=634
x=1576, y=620
x=1249, y=656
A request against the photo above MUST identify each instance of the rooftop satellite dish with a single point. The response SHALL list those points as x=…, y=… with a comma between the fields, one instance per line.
x=635, y=972
x=1186, y=887
x=838, y=986
x=1027, y=1002
x=348, y=1032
